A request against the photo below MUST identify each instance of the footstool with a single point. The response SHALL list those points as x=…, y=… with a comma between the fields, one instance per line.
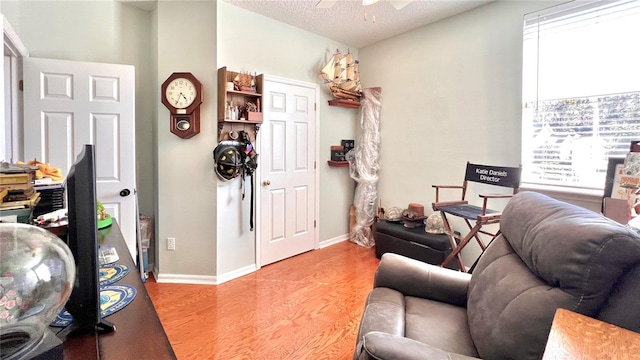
x=415, y=243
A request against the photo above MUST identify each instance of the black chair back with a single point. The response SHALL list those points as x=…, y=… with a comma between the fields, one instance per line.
x=494, y=175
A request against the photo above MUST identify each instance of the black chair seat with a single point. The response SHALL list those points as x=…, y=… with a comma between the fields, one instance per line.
x=470, y=212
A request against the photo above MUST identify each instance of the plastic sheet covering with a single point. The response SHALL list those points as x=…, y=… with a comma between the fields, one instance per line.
x=363, y=167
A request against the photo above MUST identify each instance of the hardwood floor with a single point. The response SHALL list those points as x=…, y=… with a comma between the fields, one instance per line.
x=305, y=307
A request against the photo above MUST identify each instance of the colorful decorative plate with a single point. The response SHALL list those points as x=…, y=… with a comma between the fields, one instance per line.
x=112, y=298
x=112, y=273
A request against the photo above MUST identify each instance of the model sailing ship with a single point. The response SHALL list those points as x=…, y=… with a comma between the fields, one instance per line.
x=342, y=77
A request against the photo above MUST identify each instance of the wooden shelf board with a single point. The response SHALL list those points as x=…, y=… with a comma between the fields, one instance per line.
x=242, y=121
x=338, y=163
x=244, y=93
x=345, y=103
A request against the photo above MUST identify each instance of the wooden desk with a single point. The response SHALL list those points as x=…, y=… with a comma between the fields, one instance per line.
x=139, y=333
x=575, y=336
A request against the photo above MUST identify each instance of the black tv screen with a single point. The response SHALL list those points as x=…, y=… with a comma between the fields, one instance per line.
x=84, y=302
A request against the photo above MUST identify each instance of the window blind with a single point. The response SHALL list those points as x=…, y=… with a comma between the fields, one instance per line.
x=581, y=91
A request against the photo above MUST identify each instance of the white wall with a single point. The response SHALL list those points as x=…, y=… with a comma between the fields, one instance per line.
x=451, y=94
x=251, y=42
x=186, y=208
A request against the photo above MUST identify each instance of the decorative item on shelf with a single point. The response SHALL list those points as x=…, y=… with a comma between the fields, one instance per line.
x=253, y=111
x=342, y=77
x=348, y=145
x=244, y=81
x=337, y=153
x=104, y=219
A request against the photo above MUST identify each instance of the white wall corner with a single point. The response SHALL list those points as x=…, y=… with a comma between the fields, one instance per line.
x=236, y=273
x=335, y=240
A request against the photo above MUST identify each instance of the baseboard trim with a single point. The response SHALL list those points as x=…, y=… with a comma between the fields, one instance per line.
x=234, y=274
x=338, y=239
x=204, y=279
x=186, y=279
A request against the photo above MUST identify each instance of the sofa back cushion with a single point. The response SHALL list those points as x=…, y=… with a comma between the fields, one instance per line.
x=550, y=255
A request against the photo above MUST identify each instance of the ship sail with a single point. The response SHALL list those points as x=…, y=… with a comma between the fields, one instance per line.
x=342, y=77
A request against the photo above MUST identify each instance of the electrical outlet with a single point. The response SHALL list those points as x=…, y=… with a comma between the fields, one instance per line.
x=171, y=243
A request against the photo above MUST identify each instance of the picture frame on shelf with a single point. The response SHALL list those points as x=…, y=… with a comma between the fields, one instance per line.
x=612, y=180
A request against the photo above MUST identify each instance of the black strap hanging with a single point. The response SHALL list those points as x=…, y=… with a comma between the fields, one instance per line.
x=251, y=210
x=250, y=162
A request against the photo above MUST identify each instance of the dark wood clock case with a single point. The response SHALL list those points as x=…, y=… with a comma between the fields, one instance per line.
x=184, y=123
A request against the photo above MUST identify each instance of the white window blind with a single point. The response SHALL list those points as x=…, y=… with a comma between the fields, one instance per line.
x=581, y=91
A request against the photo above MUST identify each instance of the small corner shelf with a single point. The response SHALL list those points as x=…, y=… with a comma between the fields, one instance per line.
x=338, y=163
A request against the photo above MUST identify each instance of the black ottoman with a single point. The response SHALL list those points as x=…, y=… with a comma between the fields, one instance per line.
x=414, y=243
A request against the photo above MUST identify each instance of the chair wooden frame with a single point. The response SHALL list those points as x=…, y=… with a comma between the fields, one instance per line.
x=491, y=175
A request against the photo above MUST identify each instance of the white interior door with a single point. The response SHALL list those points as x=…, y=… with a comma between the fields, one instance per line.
x=68, y=104
x=287, y=170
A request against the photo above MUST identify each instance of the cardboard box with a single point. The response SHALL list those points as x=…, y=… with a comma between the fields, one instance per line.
x=254, y=116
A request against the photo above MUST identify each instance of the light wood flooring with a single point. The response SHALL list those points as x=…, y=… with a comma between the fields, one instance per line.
x=305, y=307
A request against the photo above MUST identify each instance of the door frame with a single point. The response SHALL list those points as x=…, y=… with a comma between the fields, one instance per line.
x=316, y=178
x=14, y=50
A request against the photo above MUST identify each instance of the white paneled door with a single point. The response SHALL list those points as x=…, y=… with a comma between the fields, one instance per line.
x=68, y=104
x=287, y=170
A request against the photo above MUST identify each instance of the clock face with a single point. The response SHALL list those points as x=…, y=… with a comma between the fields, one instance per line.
x=181, y=93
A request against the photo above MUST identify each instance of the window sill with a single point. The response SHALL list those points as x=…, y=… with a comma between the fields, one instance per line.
x=590, y=199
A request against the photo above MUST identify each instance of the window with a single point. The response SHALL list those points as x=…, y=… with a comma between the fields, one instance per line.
x=581, y=91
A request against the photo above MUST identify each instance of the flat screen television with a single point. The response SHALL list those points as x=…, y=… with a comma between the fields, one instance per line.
x=82, y=238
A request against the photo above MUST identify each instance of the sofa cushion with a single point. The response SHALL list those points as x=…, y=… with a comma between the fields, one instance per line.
x=550, y=255
x=379, y=345
x=438, y=324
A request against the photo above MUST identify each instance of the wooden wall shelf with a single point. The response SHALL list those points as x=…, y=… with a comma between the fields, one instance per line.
x=244, y=121
x=239, y=99
x=338, y=163
x=344, y=103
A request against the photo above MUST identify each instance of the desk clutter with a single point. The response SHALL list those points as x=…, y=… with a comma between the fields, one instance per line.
x=29, y=190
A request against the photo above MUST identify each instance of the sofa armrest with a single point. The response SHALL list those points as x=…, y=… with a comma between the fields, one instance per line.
x=416, y=278
x=379, y=345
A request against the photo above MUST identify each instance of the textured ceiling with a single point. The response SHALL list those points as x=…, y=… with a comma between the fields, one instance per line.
x=344, y=21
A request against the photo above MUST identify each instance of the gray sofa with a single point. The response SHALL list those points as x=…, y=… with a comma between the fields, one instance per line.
x=550, y=255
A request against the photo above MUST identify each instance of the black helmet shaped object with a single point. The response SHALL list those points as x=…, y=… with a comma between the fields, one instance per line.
x=228, y=161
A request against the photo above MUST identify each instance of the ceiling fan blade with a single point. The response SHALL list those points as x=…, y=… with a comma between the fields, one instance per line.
x=325, y=4
x=399, y=4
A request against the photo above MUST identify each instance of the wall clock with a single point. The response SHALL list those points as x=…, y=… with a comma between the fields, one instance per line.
x=181, y=93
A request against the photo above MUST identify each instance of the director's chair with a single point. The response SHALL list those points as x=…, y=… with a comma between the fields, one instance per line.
x=508, y=177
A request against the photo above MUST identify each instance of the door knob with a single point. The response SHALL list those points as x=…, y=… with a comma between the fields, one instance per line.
x=266, y=183
x=125, y=192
